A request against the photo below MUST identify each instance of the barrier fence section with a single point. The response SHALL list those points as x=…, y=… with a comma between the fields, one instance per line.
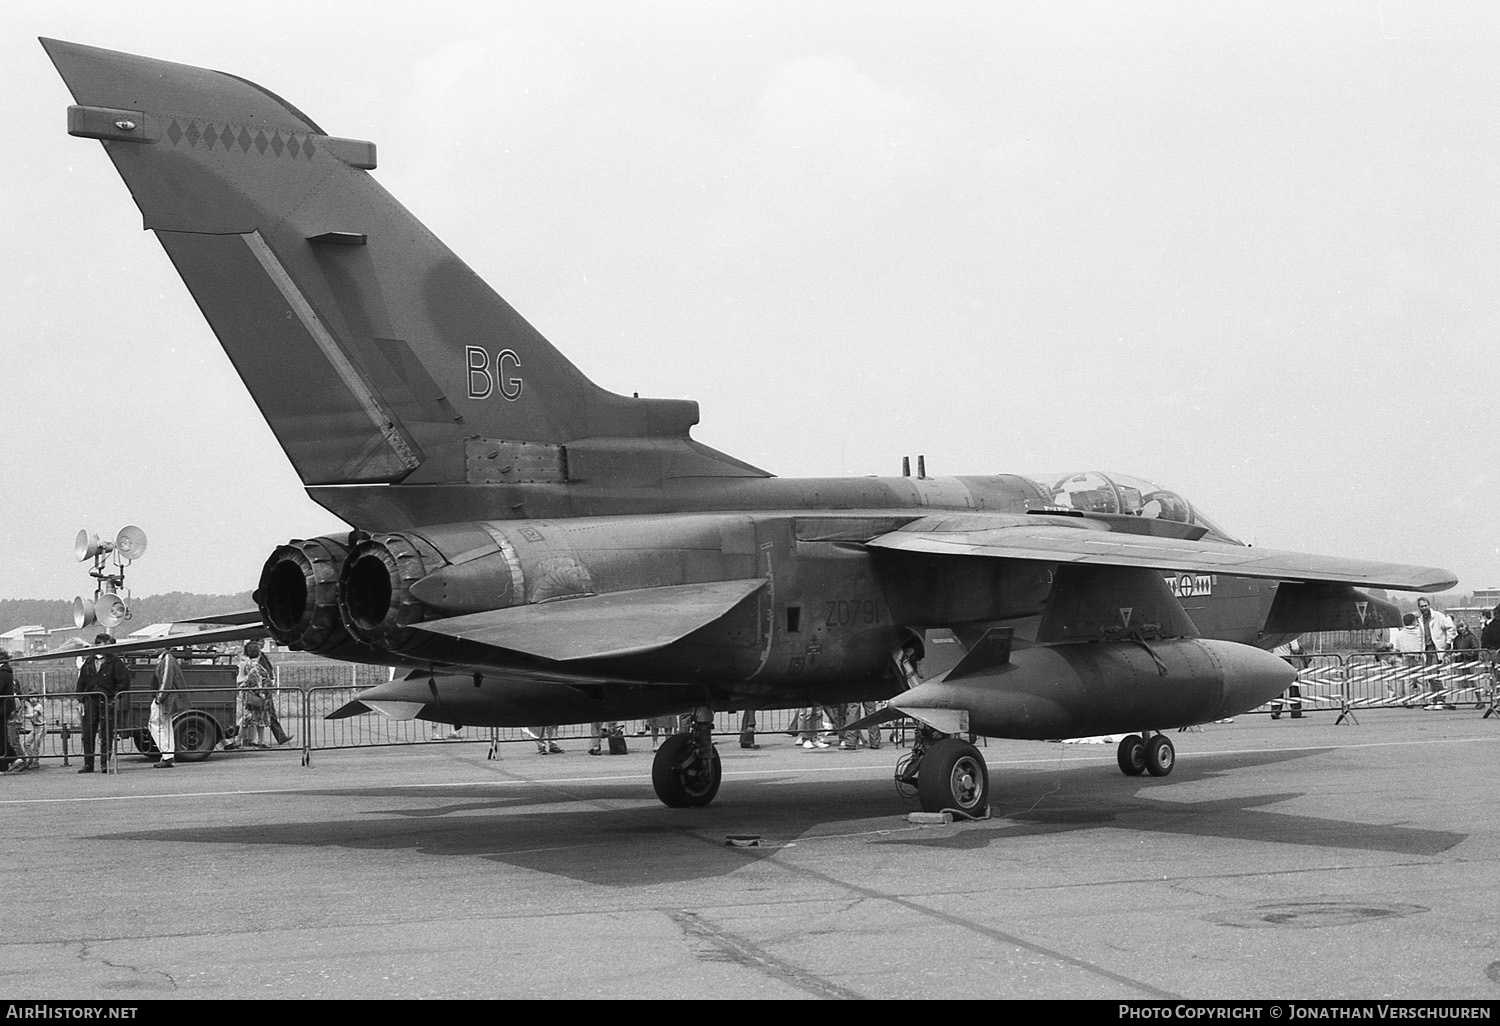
x=1429, y=679
x=46, y=723
x=1391, y=680
x=1320, y=678
x=43, y=727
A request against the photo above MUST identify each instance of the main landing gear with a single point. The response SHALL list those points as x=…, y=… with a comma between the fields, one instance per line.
x=1146, y=753
x=948, y=773
x=686, y=771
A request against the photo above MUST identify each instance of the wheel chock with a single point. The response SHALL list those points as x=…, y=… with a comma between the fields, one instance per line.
x=930, y=818
x=946, y=817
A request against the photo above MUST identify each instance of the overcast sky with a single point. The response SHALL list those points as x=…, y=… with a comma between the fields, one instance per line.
x=1245, y=250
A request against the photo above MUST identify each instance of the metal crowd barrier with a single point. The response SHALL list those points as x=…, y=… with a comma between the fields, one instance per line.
x=1391, y=680
x=46, y=726
x=1320, y=678
x=54, y=732
x=1385, y=679
x=212, y=719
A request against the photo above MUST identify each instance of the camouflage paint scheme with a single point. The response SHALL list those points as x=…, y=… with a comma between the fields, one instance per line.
x=537, y=549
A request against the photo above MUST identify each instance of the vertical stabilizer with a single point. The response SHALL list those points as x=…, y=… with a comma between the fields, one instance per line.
x=375, y=354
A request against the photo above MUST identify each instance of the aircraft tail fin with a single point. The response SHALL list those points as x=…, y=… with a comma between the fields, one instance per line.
x=375, y=354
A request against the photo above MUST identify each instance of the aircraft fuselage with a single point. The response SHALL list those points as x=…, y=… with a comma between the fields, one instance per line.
x=830, y=609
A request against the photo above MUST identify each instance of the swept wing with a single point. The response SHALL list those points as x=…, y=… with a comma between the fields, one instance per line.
x=1087, y=541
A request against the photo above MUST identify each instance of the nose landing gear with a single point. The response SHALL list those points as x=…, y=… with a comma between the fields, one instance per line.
x=686, y=772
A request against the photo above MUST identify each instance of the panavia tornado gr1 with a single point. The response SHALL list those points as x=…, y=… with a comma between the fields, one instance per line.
x=535, y=549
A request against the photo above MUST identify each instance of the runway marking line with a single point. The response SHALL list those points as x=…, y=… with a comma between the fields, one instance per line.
x=562, y=781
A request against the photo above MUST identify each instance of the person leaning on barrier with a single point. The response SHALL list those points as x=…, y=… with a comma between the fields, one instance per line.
x=7, y=706
x=1406, y=643
x=33, y=721
x=1406, y=639
x=100, y=679
x=1291, y=651
x=1489, y=638
x=1465, y=643
x=169, y=683
x=1466, y=652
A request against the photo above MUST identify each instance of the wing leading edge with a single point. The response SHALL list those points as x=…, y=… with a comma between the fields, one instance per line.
x=1085, y=542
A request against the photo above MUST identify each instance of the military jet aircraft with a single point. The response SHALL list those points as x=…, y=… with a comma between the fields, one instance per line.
x=535, y=549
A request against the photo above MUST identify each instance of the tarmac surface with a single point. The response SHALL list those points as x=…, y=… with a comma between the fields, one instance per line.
x=1280, y=860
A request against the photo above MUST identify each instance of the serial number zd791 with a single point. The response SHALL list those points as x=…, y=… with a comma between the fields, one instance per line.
x=850, y=613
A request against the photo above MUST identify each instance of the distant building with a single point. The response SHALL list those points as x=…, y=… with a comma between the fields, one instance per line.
x=163, y=630
x=72, y=637
x=29, y=640
x=1485, y=599
x=41, y=640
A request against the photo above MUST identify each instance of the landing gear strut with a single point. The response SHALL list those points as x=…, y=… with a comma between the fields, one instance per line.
x=686, y=771
x=1137, y=754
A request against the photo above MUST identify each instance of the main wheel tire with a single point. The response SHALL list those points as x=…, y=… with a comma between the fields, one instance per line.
x=682, y=777
x=196, y=735
x=1160, y=756
x=1132, y=756
x=953, y=776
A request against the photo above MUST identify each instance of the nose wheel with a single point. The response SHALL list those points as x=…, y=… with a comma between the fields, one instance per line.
x=1138, y=755
x=684, y=773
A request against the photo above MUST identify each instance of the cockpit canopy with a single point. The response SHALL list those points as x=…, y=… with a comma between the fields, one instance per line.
x=1094, y=492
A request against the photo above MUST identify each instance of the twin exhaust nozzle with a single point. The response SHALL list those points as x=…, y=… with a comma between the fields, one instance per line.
x=322, y=594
